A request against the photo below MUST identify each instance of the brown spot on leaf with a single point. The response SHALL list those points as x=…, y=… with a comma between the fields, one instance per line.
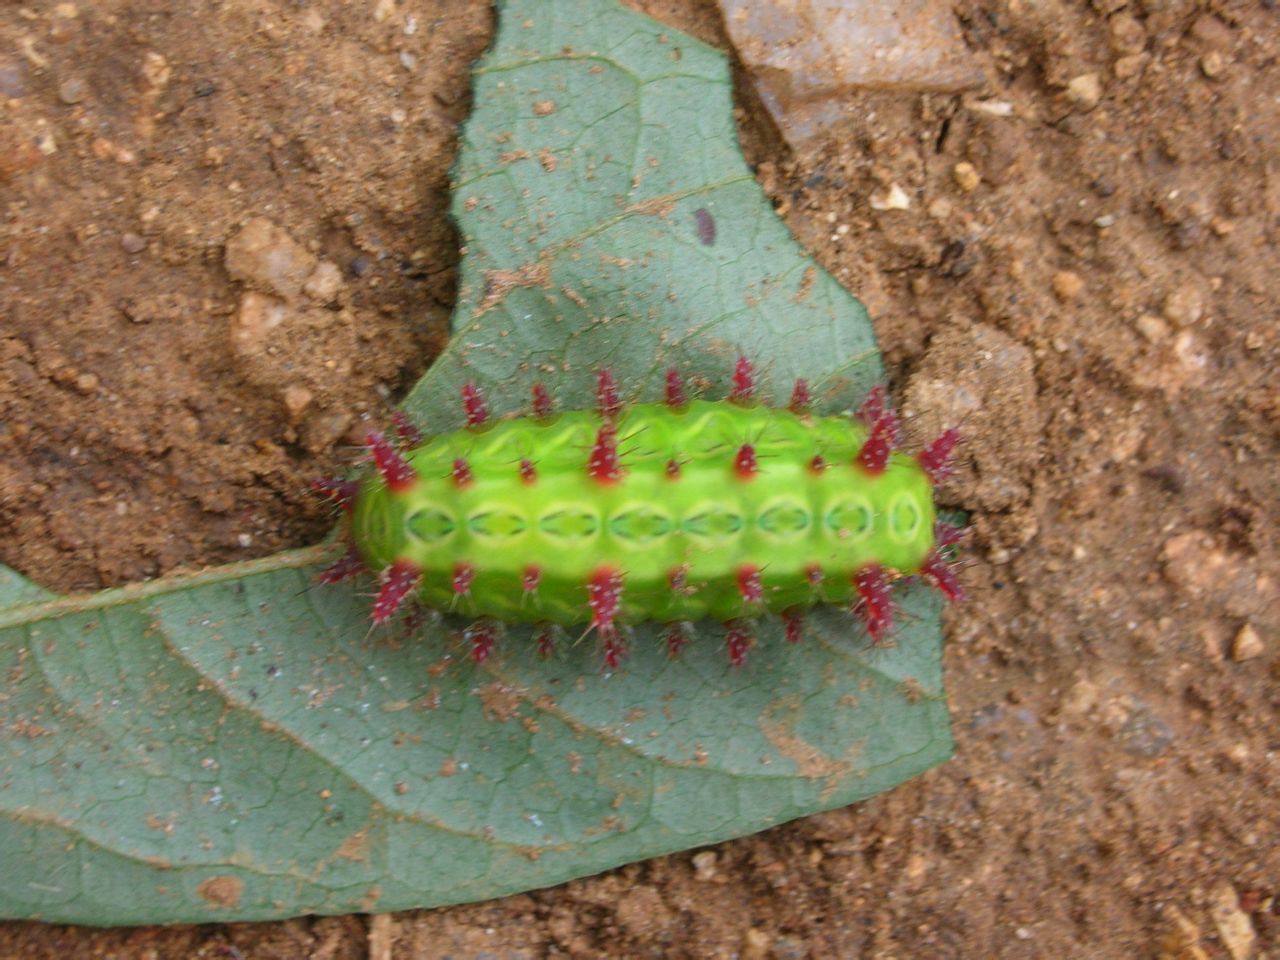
x=22, y=727
x=777, y=725
x=806, y=284
x=654, y=207
x=221, y=891
x=355, y=847
x=499, y=283
x=500, y=701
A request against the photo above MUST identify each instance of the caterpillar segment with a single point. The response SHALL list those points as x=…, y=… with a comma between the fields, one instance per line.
x=675, y=512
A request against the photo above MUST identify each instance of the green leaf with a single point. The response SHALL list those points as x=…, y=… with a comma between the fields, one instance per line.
x=237, y=744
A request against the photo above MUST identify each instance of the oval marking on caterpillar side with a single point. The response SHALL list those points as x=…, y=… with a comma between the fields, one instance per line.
x=904, y=518
x=430, y=525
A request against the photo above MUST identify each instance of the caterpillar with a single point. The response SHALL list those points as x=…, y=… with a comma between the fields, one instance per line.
x=673, y=512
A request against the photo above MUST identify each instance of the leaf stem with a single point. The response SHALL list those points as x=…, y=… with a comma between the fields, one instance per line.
x=25, y=613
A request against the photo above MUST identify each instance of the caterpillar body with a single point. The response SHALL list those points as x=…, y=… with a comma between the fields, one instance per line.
x=674, y=512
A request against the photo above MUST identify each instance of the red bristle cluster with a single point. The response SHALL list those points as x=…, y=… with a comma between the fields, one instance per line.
x=818, y=463
x=739, y=637
x=607, y=394
x=463, y=575
x=614, y=650
x=673, y=469
x=876, y=403
x=800, y=398
x=541, y=401
x=462, y=472
x=678, y=635
x=935, y=459
x=745, y=464
x=408, y=434
x=813, y=573
x=793, y=623
x=941, y=574
x=531, y=578
x=483, y=634
x=946, y=534
x=349, y=565
x=744, y=381
x=396, y=582
x=546, y=640
x=675, y=389
x=528, y=473
x=473, y=405
x=341, y=492
x=874, y=455
x=874, y=605
x=603, y=465
x=395, y=470
x=604, y=597
x=749, y=584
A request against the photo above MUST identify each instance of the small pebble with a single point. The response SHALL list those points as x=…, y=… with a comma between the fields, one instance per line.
x=325, y=282
x=966, y=176
x=322, y=430
x=72, y=90
x=1126, y=67
x=1212, y=64
x=1067, y=285
x=1152, y=328
x=1127, y=34
x=704, y=865
x=755, y=944
x=266, y=256
x=296, y=399
x=86, y=384
x=13, y=83
x=133, y=243
x=1247, y=645
x=894, y=198
x=1085, y=91
x=1183, y=306
x=940, y=209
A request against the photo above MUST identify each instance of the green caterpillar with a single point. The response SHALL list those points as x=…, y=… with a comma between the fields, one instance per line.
x=674, y=512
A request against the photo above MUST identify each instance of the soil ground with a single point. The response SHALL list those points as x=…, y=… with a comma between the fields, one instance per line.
x=1095, y=293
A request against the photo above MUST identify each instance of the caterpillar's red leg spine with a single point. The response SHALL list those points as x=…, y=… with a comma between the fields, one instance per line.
x=800, y=398
x=739, y=637
x=874, y=605
x=607, y=394
x=474, y=406
x=939, y=571
x=675, y=395
x=396, y=583
x=603, y=465
x=395, y=470
x=935, y=459
x=342, y=492
x=348, y=565
x=744, y=381
x=406, y=431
